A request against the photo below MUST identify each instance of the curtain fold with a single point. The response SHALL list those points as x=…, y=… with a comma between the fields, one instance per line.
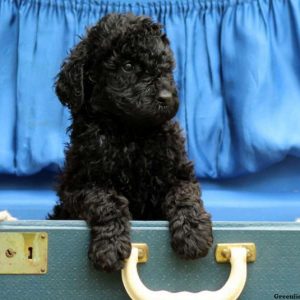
x=238, y=75
x=8, y=72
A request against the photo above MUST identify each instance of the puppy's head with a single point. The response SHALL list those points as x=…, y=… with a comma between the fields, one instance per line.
x=123, y=69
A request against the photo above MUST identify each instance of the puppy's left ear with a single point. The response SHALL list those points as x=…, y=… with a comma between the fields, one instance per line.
x=72, y=86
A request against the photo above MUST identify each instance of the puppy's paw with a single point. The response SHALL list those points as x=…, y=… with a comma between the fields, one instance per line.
x=109, y=255
x=191, y=237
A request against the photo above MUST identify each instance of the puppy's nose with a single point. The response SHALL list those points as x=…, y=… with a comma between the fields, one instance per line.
x=164, y=96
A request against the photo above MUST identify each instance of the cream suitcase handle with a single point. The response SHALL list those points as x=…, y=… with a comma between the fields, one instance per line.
x=237, y=254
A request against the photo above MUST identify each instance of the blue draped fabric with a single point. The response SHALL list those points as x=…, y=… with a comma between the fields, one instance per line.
x=8, y=65
x=238, y=73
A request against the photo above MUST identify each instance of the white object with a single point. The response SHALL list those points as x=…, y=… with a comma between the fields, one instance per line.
x=6, y=216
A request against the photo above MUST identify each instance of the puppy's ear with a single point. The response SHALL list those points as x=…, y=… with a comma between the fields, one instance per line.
x=74, y=84
x=71, y=83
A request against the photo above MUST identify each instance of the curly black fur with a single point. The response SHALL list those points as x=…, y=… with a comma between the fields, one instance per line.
x=127, y=157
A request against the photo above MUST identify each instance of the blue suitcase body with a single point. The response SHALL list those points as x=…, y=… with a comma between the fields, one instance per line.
x=71, y=276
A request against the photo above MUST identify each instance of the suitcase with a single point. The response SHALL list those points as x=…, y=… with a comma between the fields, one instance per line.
x=65, y=272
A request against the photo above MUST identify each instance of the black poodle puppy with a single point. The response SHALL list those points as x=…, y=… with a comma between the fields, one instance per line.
x=127, y=158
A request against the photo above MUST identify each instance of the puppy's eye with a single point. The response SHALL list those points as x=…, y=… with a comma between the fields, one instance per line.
x=128, y=67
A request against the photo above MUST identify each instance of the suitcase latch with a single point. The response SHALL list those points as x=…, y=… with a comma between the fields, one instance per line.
x=23, y=252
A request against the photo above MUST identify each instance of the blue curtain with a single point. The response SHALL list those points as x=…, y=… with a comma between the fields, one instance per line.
x=8, y=72
x=238, y=73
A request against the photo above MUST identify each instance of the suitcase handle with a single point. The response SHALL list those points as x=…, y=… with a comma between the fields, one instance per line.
x=237, y=254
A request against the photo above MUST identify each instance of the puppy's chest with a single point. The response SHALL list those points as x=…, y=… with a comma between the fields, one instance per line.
x=138, y=164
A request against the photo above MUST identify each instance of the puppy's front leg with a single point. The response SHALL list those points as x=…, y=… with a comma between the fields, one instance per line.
x=190, y=226
x=108, y=215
